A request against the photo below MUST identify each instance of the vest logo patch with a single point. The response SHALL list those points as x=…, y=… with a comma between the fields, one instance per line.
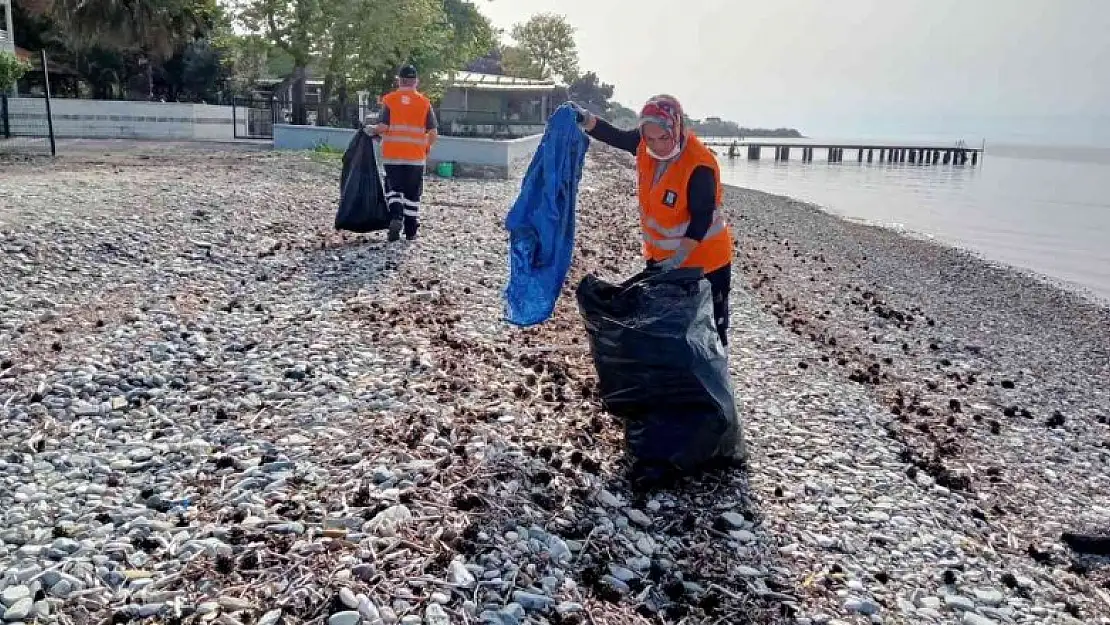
x=670, y=198
x=406, y=100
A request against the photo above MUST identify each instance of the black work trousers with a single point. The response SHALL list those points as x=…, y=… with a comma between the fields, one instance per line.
x=404, y=185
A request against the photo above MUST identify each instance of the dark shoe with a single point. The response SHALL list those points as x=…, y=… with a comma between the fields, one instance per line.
x=394, y=230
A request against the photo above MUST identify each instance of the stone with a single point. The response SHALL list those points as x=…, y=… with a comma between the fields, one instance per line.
x=971, y=618
x=615, y=584
x=19, y=609
x=747, y=571
x=861, y=606
x=733, y=520
x=533, y=602
x=959, y=603
x=270, y=618
x=569, y=607
x=348, y=598
x=10, y=595
x=388, y=521
x=436, y=615
x=349, y=617
x=989, y=597
x=609, y=500
x=457, y=573
x=638, y=517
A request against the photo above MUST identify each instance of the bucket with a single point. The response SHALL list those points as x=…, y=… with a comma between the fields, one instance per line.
x=445, y=169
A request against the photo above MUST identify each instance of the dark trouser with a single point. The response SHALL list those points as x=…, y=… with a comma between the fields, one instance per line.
x=403, y=186
x=720, y=283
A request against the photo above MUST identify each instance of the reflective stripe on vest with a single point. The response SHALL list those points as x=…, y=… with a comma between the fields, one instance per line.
x=405, y=141
x=672, y=241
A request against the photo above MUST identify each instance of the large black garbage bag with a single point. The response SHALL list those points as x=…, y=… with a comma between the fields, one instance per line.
x=362, y=205
x=661, y=366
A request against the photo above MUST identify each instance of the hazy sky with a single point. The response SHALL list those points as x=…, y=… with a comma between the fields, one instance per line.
x=1031, y=70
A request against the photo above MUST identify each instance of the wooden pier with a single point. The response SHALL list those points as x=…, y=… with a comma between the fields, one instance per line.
x=912, y=154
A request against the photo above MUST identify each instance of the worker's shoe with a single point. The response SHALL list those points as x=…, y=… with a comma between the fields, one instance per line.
x=394, y=230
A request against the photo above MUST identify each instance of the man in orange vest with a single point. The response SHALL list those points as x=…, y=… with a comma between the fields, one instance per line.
x=680, y=192
x=408, y=129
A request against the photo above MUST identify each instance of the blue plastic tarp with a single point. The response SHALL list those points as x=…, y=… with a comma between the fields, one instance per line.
x=541, y=221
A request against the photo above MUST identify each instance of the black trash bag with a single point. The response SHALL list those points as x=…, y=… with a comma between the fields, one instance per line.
x=661, y=367
x=362, y=205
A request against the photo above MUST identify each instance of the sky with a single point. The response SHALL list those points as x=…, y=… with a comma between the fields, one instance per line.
x=1028, y=71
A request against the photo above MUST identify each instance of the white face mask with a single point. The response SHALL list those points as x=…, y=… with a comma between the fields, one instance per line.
x=673, y=153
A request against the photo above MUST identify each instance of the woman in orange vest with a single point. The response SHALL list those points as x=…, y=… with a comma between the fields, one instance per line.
x=680, y=192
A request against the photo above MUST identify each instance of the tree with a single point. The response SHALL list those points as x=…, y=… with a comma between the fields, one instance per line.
x=516, y=61
x=548, y=40
x=488, y=63
x=294, y=26
x=152, y=29
x=12, y=68
x=591, y=93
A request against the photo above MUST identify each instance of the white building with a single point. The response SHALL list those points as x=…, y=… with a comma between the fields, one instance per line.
x=7, y=29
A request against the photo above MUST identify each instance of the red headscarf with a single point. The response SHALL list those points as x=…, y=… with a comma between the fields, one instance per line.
x=665, y=111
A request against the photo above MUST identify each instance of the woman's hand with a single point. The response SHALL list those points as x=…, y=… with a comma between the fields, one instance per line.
x=685, y=248
x=586, y=119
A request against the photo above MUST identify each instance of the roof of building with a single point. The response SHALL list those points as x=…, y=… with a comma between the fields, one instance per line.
x=495, y=82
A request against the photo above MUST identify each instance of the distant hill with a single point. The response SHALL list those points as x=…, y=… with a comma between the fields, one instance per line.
x=717, y=127
x=624, y=117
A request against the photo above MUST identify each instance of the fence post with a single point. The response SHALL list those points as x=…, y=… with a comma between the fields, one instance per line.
x=49, y=114
x=234, y=120
x=5, y=127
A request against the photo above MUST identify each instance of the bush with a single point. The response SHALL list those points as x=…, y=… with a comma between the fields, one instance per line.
x=12, y=68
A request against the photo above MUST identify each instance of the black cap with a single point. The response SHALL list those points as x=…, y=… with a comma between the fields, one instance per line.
x=407, y=71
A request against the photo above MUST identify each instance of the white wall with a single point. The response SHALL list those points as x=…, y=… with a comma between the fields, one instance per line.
x=111, y=119
x=507, y=157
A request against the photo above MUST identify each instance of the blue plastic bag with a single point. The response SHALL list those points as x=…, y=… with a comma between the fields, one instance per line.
x=541, y=221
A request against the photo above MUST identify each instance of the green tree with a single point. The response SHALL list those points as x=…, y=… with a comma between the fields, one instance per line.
x=588, y=91
x=153, y=30
x=516, y=61
x=294, y=26
x=12, y=68
x=548, y=40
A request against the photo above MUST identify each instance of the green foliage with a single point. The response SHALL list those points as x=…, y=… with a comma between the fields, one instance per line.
x=12, y=68
x=548, y=41
x=594, y=95
x=516, y=61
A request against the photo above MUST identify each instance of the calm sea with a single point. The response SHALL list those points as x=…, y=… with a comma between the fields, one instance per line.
x=1045, y=208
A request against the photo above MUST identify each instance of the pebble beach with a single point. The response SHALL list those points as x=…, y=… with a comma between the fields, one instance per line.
x=214, y=408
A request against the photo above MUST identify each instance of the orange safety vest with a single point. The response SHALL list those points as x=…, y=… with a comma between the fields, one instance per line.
x=664, y=214
x=405, y=142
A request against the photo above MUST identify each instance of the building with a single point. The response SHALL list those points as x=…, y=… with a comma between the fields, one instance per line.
x=472, y=105
x=7, y=28
x=490, y=105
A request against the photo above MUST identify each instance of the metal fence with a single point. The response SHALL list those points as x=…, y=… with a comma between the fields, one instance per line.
x=254, y=118
x=26, y=126
x=26, y=122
